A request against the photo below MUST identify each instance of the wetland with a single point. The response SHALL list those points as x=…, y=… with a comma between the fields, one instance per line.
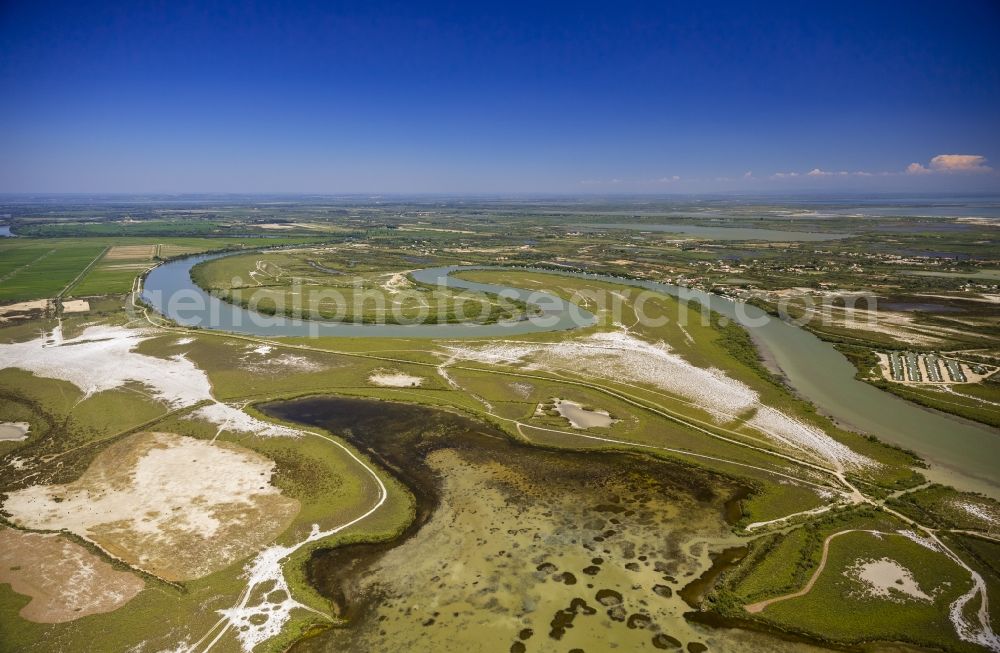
x=516, y=547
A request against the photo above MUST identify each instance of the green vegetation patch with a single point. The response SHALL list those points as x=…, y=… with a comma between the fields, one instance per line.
x=939, y=506
x=852, y=603
x=346, y=284
x=47, y=270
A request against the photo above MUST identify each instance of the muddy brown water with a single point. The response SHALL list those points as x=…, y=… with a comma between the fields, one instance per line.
x=519, y=548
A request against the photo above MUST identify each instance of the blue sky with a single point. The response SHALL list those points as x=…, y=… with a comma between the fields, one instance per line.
x=501, y=97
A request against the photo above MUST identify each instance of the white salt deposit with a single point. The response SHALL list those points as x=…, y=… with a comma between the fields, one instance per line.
x=167, y=493
x=618, y=355
x=391, y=379
x=230, y=418
x=176, y=506
x=103, y=358
x=257, y=623
x=979, y=511
x=259, y=359
x=926, y=542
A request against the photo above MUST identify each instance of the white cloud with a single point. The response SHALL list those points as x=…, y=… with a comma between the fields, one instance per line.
x=960, y=163
x=951, y=163
x=940, y=164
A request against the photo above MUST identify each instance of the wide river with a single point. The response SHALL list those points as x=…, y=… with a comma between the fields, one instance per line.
x=961, y=453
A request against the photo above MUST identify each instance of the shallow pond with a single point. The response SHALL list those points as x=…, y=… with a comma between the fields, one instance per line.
x=14, y=431
x=580, y=417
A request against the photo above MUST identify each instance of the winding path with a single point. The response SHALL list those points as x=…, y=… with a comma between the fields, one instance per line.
x=754, y=608
x=266, y=568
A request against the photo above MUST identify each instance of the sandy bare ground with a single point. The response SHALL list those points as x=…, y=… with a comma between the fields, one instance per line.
x=162, y=503
x=986, y=298
x=76, y=306
x=64, y=580
x=21, y=307
x=900, y=325
x=986, y=222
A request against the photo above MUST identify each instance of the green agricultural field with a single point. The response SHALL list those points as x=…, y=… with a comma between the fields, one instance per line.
x=15, y=258
x=84, y=267
x=115, y=273
x=47, y=270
